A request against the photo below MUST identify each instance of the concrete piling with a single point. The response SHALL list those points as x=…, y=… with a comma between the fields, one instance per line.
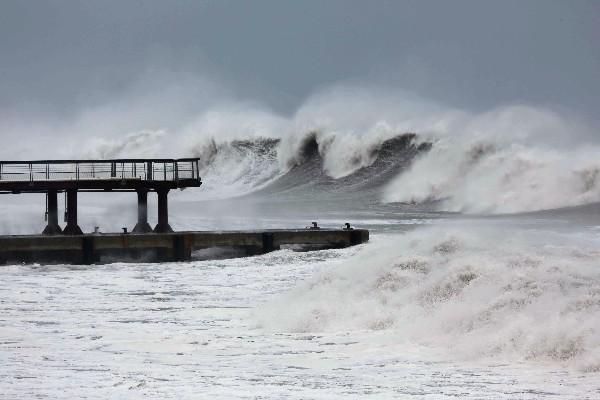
x=163, y=212
x=142, y=225
x=52, y=228
x=72, y=228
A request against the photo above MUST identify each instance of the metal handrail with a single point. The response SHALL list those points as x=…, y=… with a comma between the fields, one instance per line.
x=161, y=169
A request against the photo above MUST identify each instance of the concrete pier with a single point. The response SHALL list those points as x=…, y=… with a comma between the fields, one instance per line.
x=164, y=247
x=160, y=244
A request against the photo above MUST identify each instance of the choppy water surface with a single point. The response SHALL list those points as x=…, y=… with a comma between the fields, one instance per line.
x=198, y=330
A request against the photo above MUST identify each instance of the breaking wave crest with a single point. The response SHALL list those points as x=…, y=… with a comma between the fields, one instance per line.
x=478, y=292
x=487, y=177
x=508, y=160
x=375, y=166
x=236, y=167
x=357, y=143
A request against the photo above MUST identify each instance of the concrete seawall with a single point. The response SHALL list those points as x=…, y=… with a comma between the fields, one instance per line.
x=163, y=247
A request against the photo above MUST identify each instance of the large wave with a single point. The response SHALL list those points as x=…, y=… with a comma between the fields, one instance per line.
x=479, y=292
x=356, y=143
x=487, y=177
x=513, y=159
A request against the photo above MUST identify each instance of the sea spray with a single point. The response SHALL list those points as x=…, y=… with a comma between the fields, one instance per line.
x=479, y=292
x=237, y=167
x=488, y=177
x=514, y=158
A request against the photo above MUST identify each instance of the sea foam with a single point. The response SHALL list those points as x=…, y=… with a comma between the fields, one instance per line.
x=478, y=292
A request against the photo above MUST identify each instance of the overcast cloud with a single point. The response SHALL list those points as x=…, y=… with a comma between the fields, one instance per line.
x=61, y=57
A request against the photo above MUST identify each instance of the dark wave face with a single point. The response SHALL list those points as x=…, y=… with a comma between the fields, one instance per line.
x=246, y=178
x=308, y=178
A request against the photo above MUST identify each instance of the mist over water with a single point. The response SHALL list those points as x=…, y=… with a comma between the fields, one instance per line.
x=508, y=159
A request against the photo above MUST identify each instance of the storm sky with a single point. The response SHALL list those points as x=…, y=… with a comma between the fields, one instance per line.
x=60, y=57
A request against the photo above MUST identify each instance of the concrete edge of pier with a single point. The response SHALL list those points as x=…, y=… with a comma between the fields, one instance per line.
x=165, y=247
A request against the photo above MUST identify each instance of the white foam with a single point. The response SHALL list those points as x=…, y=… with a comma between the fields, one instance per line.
x=477, y=292
x=509, y=159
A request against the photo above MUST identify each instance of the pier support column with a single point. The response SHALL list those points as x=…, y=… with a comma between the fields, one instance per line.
x=52, y=201
x=72, y=228
x=142, y=225
x=163, y=212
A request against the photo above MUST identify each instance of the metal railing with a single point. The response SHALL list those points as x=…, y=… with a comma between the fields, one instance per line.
x=122, y=169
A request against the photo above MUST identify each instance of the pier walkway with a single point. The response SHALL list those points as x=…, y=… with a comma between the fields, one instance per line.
x=121, y=175
x=160, y=244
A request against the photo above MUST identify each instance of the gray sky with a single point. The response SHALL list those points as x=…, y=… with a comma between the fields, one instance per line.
x=59, y=57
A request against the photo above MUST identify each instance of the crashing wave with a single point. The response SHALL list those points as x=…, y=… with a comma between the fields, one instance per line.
x=479, y=292
x=236, y=167
x=510, y=159
x=484, y=177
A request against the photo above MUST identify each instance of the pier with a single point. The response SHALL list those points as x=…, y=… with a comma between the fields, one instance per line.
x=164, y=247
x=144, y=243
x=121, y=175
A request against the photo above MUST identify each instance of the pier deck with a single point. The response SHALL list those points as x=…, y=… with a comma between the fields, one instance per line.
x=52, y=177
x=164, y=247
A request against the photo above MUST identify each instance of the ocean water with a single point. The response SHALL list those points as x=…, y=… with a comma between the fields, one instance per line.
x=481, y=280
x=430, y=308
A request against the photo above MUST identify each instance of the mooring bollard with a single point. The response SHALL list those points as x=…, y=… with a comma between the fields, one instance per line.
x=314, y=226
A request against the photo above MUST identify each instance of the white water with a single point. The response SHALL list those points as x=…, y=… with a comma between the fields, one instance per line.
x=513, y=158
x=480, y=293
x=479, y=311
x=192, y=330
